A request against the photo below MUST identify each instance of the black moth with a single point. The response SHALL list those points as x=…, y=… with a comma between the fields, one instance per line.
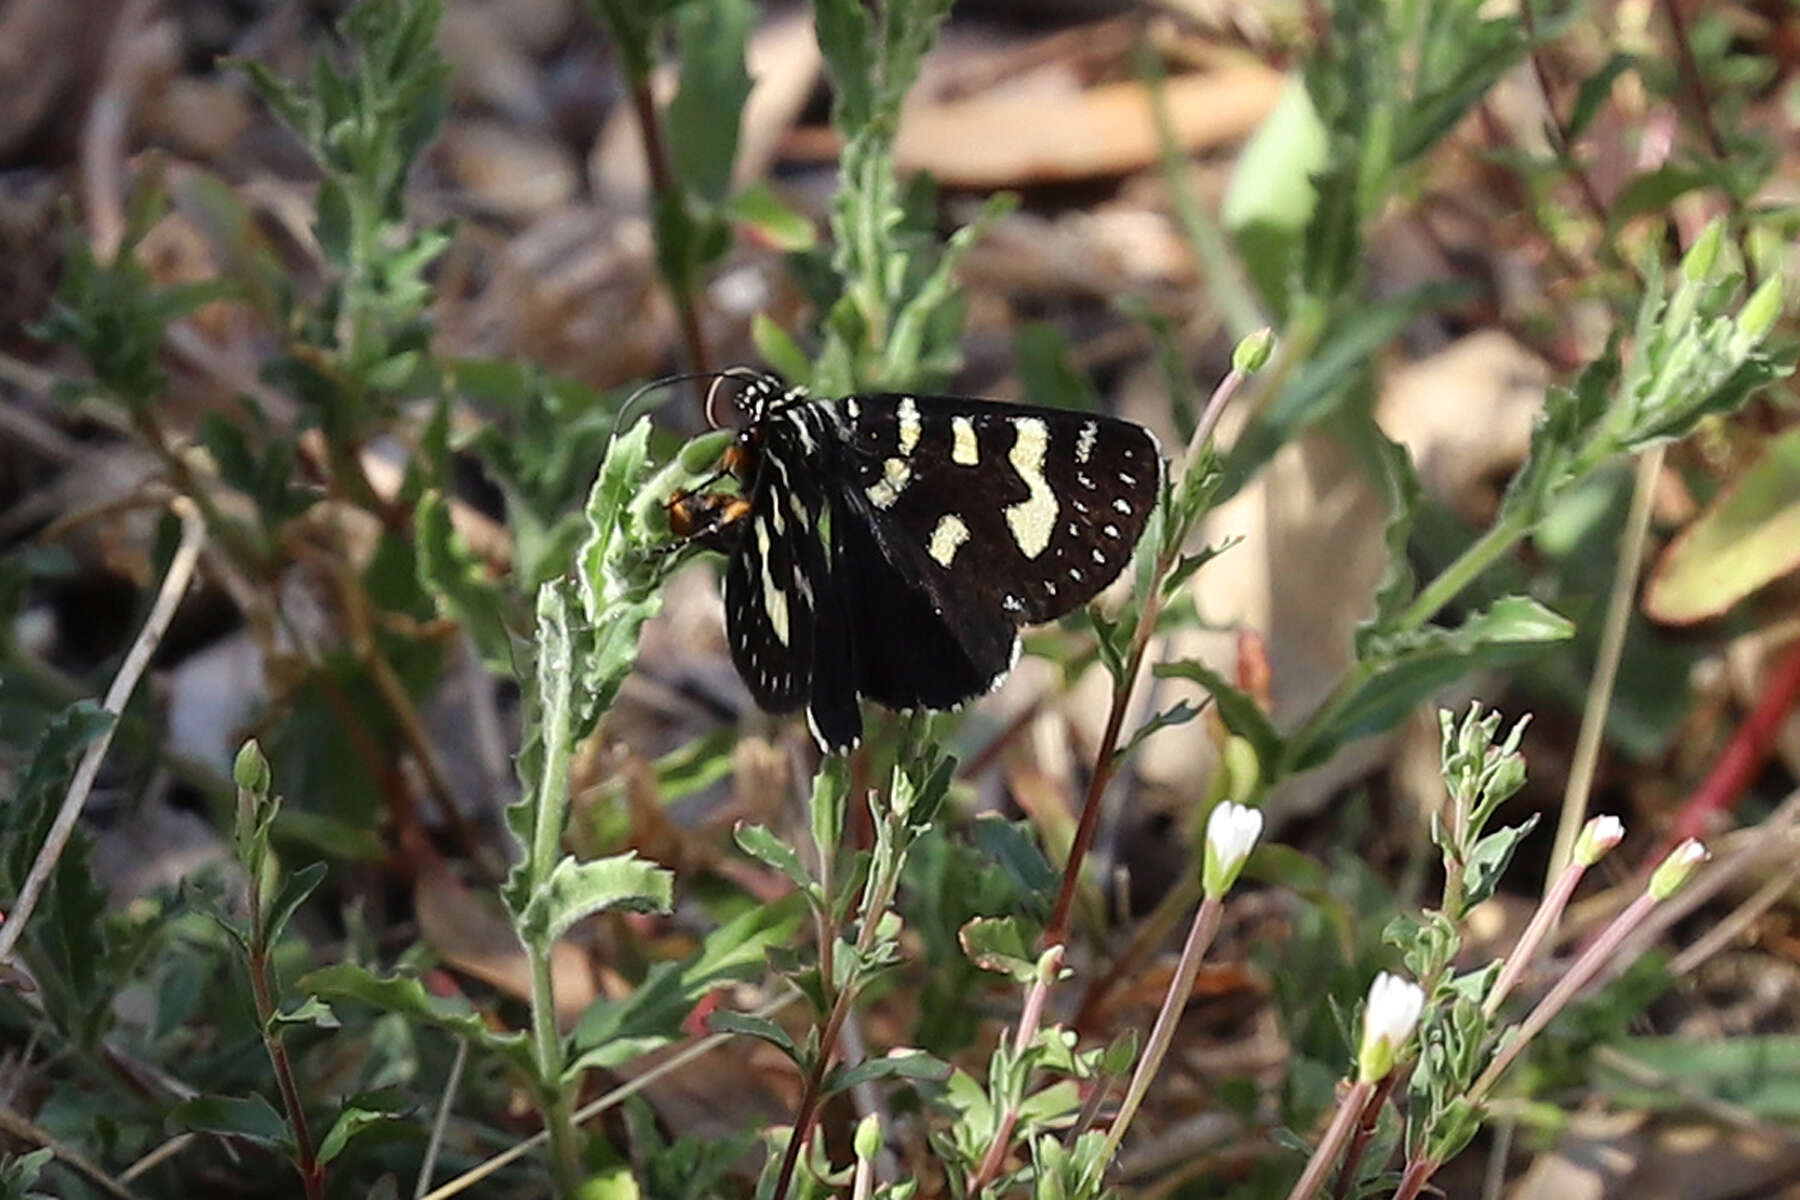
x=889, y=547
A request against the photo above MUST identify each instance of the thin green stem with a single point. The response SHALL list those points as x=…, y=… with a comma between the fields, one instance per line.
x=312, y=1174
x=1486, y=550
x=1611, y=651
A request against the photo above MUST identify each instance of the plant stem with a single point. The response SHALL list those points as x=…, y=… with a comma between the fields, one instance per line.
x=1030, y=1019
x=1365, y=1133
x=1572, y=981
x=1482, y=554
x=1606, y=665
x=118, y=694
x=1056, y=931
x=1418, y=1173
x=312, y=1175
x=1349, y=1111
x=1162, y=1033
x=555, y=724
x=1549, y=911
x=878, y=893
x=662, y=183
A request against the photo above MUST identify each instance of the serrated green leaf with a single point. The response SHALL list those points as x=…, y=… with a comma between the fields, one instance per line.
x=249, y=1117
x=460, y=583
x=580, y=889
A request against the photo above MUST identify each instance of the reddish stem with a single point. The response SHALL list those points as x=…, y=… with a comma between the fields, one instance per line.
x=1744, y=755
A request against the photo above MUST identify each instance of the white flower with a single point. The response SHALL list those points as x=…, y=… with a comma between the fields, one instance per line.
x=1231, y=834
x=1674, y=870
x=1388, y=1020
x=1598, y=837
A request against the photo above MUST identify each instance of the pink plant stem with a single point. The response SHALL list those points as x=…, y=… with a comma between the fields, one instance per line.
x=1349, y=1111
x=1418, y=1173
x=1576, y=978
x=1549, y=911
x=1200, y=936
x=1030, y=1018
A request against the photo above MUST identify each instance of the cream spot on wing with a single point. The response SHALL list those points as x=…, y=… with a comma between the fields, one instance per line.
x=909, y=426
x=853, y=408
x=1033, y=518
x=895, y=475
x=947, y=538
x=964, y=451
x=797, y=508
x=1122, y=506
x=774, y=599
x=1084, y=479
x=1084, y=444
x=1111, y=531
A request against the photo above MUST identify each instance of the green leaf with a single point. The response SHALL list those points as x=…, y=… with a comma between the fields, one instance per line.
x=1000, y=944
x=771, y=851
x=460, y=583
x=612, y=1032
x=895, y=1064
x=1401, y=490
x=1179, y=713
x=19, y=1172
x=1754, y=1073
x=1595, y=90
x=1747, y=537
x=1241, y=714
x=294, y=891
x=27, y=818
x=311, y=1011
x=779, y=350
x=775, y=224
x=831, y=789
x=579, y=889
x=705, y=112
x=1271, y=196
x=760, y=1028
x=1489, y=860
x=249, y=1117
x=1399, y=672
x=1654, y=191
x=349, y=1123
x=407, y=996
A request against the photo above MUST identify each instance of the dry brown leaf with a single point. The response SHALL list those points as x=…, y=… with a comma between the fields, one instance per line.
x=1007, y=140
x=474, y=938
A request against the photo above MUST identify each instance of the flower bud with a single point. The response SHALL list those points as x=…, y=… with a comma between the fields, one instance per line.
x=1674, y=871
x=1231, y=833
x=1388, y=1020
x=1598, y=837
